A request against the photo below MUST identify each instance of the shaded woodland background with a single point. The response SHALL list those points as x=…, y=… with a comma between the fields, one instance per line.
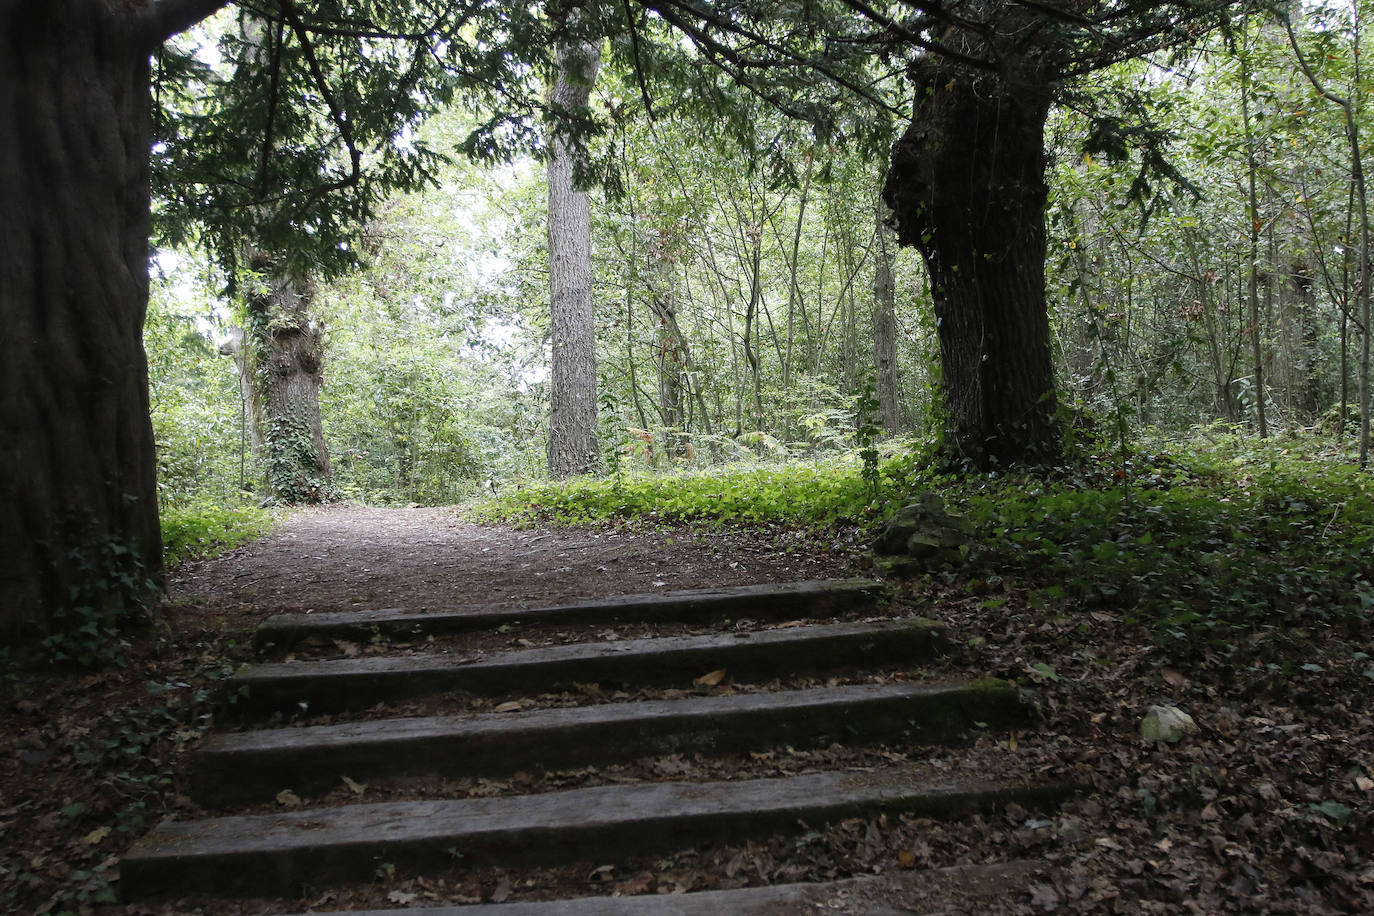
x=753, y=305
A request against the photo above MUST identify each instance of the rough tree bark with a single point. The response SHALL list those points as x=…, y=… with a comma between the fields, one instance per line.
x=967, y=188
x=573, y=445
x=250, y=416
x=885, y=328
x=669, y=351
x=78, y=492
x=287, y=361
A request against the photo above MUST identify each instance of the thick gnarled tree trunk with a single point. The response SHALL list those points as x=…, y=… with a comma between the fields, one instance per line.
x=573, y=445
x=78, y=496
x=967, y=188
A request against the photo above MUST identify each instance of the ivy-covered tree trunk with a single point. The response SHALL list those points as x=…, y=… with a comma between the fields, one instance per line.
x=967, y=188
x=573, y=444
x=79, y=532
x=287, y=348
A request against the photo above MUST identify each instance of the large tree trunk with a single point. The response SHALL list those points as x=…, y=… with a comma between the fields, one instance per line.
x=78, y=495
x=573, y=444
x=287, y=348
x=967, y=188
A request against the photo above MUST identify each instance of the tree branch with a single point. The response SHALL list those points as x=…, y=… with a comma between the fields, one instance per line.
x=153, y=24
x=336, y=112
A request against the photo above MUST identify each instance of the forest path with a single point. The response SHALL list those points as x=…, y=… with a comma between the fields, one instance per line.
x=460, y=750
x=349, y=557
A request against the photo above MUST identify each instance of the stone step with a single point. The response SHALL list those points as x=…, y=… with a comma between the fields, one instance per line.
x=870, y=895
x=256, y=765
x=355, y=683
x=282, y=854
x=770, y=601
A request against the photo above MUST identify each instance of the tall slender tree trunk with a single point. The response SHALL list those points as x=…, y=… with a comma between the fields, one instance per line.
x=967, y=188
x=1252, y=277
x=669, y=351
x=751, y=322
x=885, y=327
x=250, y=416
x=573, y=445
x=78, y=493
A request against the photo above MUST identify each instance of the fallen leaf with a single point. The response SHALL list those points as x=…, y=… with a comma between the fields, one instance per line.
x=509, y=706
x=789, y=624
x=401, y=897
x=501, y=892
x=96, y=836
x=636, y=885
x=1364, y=783
x=1045, y=897
x=711, y=678
x=288, y=799
x=671, y=766
x=906, y=858
x=1174, y=678
x=356, y=788
x=1334, y=810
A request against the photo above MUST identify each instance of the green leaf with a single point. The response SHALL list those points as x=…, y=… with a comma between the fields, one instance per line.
x=1334, y=810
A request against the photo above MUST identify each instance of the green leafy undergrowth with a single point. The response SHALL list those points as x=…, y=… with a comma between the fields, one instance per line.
x=199, y=531
x=806, y=494
x=1200, y=545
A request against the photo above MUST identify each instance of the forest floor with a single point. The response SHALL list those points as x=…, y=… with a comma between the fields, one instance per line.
x=1266, y=810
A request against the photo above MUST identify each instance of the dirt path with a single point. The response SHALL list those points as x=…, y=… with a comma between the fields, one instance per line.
x=353, y=557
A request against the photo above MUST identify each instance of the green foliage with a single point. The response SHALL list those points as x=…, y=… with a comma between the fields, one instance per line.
x=428, y=390
x=200, y=531
x=1199, y=547
x=112, y=592
x=291, y=460
x=196, y=410
x=287, y=125
x=819, y=494
x=866, y=432
x=1224, y=538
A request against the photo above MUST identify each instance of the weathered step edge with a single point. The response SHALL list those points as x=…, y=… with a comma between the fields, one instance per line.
x=822, y=598
x=869, y=895
x=284, y=853
x=353, y=683
x=256, y=765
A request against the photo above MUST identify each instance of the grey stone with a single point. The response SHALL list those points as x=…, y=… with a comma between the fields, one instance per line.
x=1167, y=724
x=926, y=532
